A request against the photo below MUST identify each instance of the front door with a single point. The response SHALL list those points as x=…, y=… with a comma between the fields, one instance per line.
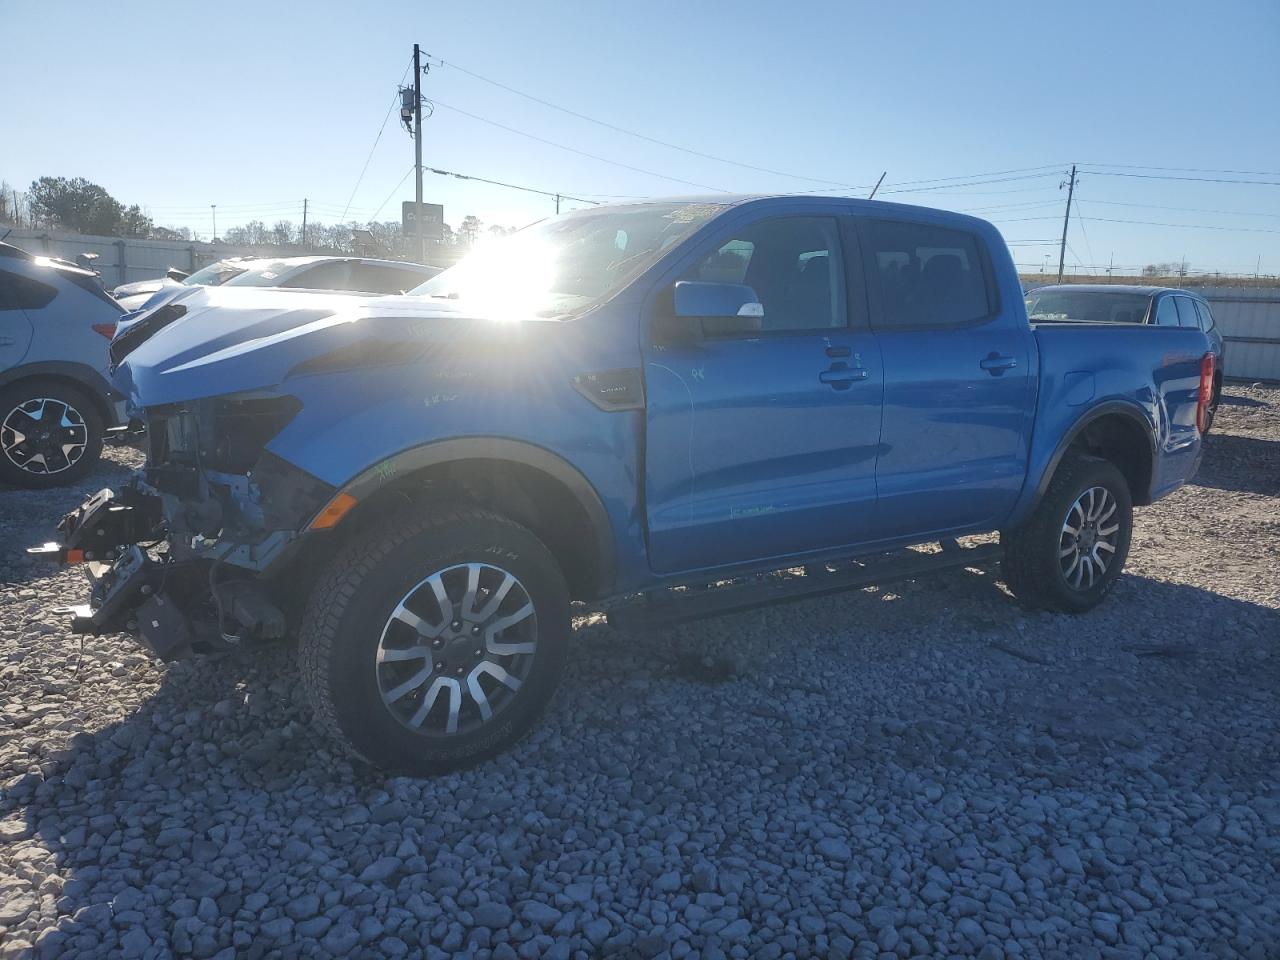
x=762, y=437
x=957, y=380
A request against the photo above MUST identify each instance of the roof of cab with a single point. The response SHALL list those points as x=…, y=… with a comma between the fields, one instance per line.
x=1135, y=288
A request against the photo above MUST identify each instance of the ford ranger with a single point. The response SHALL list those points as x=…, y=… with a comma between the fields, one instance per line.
x=773, y=396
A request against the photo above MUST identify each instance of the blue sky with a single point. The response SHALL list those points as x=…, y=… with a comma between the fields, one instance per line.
x=253, y=107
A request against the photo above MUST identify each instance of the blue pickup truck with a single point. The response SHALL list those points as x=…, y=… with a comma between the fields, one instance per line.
x=773, y=396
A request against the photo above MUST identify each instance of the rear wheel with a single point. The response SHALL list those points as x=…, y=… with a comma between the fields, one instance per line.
x=50, y=433
x=1070, y=552
x=433, y=643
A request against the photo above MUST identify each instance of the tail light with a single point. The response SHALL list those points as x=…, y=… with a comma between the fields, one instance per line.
x=1206, y=392
x=107, y=330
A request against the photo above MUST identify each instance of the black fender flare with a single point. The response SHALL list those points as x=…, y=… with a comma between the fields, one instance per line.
x=1130, y=411
x=81, y=374
x=439, y=452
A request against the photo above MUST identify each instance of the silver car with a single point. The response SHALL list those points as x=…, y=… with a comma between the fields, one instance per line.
x=56, y=321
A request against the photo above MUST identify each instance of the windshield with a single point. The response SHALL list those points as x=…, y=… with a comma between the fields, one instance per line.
x=1096, y=306
x=562, y=266
x=263, y=273
x=214, y=274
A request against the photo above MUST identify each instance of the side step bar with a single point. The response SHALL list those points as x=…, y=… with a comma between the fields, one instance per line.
x=768, y=590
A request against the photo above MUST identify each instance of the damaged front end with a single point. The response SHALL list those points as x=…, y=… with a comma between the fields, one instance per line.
x=191, y=553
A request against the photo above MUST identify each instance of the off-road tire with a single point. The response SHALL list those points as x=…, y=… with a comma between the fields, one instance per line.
x=354, y=596
x=1031, y=568
x=21, y=391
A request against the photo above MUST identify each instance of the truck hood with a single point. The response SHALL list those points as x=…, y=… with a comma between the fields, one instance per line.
x=231, y=340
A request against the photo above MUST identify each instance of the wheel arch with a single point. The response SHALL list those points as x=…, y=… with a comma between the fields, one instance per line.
x=1116, y=431
x=530, y=484
x=78, y=375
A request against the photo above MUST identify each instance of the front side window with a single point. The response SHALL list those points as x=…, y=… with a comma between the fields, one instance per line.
x=263, y=273
x=928, y=276
x=1167, y=313
x=22, y=293
x=560, y=268
x=792, y=264
x=379, y=278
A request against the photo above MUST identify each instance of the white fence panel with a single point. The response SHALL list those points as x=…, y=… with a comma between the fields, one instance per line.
x=1249, y=320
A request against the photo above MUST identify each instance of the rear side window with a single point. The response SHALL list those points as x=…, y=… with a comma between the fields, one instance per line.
x=1167, y=313
x=22, y=293
x=1187, y=312
x=928, y=276
x=1206, y=318
x=334, y=275
x=376, y=278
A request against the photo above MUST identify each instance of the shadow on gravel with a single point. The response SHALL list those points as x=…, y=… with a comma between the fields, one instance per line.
x=188, y=803
x=1227, y=400
x=1242, y=464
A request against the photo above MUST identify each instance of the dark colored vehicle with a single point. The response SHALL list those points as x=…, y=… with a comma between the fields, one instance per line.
x=620, y=400
x=1115, y=303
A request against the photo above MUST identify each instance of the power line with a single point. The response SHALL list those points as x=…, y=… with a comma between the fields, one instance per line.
x=1142, y=166
x=1187, y=226
x=386, y=117
x=1154, y=206
x=973, y=183
x=1165, y=176
x=392, y=193
x=641, y=136
x=581, y=153
x=513, y=186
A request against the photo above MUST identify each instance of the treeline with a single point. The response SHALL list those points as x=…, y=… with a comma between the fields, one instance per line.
x=78, y=205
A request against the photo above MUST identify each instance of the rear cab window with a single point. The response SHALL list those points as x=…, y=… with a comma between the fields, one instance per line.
x=927, y=276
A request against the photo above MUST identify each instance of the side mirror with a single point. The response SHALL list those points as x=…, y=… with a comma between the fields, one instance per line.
x=173, y=273
x=700, y=306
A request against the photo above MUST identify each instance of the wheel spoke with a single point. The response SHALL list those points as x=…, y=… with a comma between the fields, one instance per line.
x=432, y=694
x=1072, y=568
x=415, y=681
x=491, y=605
x=424, y=629
x=1097, y=559
x=1087, y=563
x=1066, y=551
x=442, y=597
x=1108, y=531
x=1103, y=545
x=399, y=656
x=473, y=587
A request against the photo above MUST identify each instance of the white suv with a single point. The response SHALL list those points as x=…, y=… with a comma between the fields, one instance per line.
x=56, y=321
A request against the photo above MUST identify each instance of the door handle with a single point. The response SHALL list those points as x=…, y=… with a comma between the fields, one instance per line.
x=996, y=364
x=841, y=376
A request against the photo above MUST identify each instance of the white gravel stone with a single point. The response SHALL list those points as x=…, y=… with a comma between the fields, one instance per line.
x=861, y=773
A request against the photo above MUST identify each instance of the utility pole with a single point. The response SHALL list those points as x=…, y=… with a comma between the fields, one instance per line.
x=214, y=208
x=1062, y=250
x=557, y=203
x=417, y=152
x=304, y=221
x=1111, y=266
x=872, y=194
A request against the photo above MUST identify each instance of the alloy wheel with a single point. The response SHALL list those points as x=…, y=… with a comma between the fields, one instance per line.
x=1089, y=536
x=456, y=649
x=44, y=435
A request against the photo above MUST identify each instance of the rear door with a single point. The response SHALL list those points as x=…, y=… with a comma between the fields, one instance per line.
x=761, y=438
x=957, y=403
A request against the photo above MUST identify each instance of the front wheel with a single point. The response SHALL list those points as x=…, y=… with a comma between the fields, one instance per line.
x=435, y=642
x=1070, y=552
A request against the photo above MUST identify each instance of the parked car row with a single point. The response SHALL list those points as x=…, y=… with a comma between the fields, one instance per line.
x=56, y=324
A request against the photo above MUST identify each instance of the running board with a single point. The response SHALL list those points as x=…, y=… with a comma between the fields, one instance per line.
x=768, y=590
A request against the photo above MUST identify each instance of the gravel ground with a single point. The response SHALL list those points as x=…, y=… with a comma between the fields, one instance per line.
x=916, y=771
